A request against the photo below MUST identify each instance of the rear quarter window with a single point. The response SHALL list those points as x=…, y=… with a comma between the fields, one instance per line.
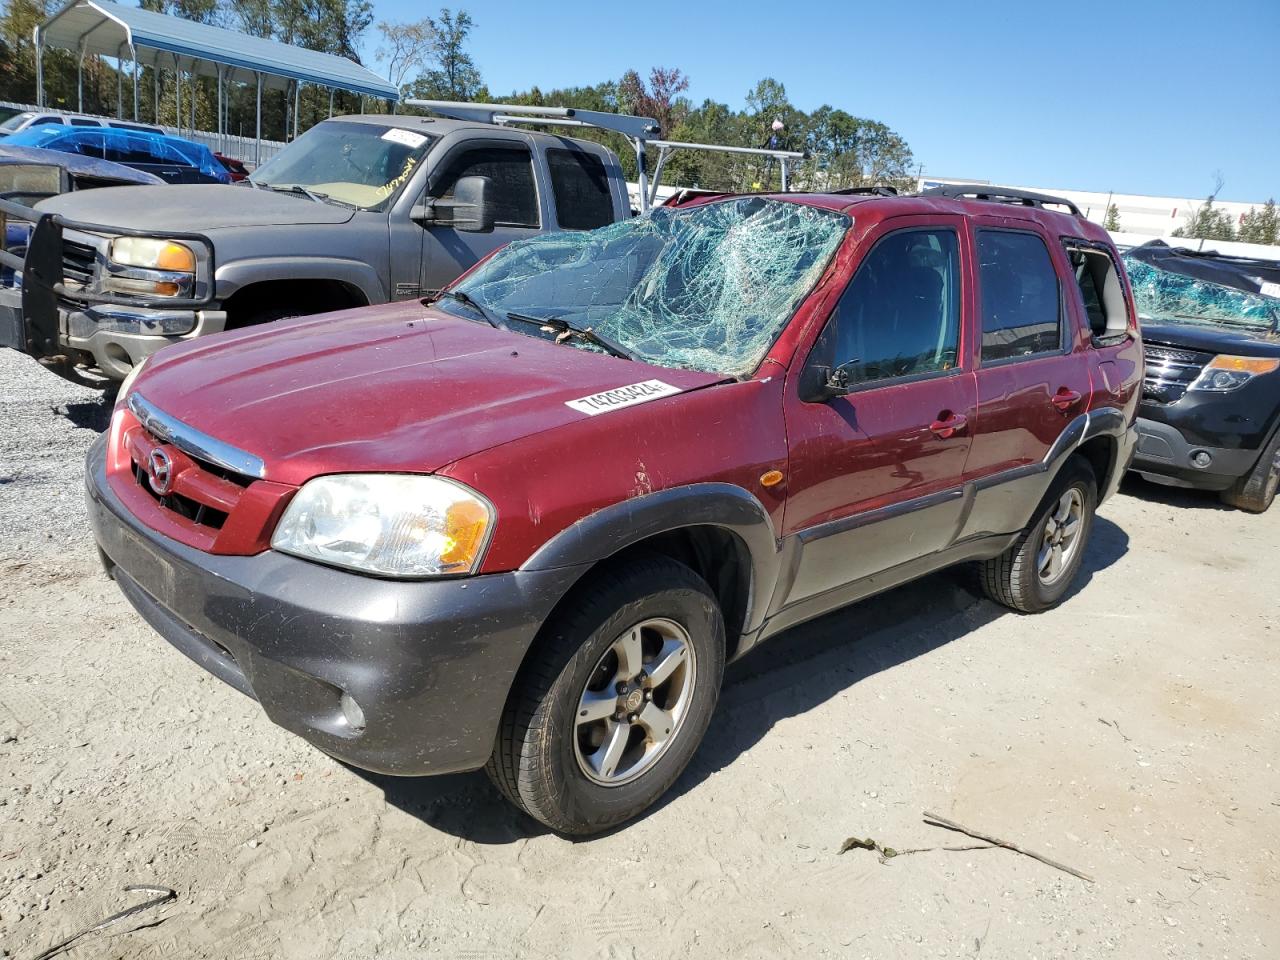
x=580, y=186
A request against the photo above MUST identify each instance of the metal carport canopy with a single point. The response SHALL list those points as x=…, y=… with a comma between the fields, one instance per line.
x=106, y=29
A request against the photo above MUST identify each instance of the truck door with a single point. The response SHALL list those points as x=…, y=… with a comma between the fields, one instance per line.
x=513, y=195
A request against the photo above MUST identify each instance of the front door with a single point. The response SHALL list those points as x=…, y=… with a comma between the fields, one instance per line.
x=513, y=195
x=876, y=476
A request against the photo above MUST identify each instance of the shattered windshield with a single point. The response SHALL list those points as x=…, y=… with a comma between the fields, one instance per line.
x=360, y=164
x=1169, y=296
x=706, y=288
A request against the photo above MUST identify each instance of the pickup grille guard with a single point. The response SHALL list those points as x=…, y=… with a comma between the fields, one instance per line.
x=43, y=273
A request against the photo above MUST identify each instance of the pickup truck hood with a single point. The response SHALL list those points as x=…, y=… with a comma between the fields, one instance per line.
x=192, y=209
x=397, y=388
x=1212, y=339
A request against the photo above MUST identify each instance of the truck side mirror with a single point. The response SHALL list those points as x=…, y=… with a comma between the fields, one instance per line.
x=468, y=209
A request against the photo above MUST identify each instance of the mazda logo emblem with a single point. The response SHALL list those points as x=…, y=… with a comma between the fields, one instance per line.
x=160, y=470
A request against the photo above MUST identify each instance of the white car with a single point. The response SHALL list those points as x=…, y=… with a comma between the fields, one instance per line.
x=21, y=121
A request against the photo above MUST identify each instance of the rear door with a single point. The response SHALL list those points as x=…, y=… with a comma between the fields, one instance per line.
x=1033, y=367
x=1100, y=301
x=876, y=476
x=513, y=196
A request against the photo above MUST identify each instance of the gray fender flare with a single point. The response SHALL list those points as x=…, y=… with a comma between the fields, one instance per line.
x=602, y=534
x=238, y=274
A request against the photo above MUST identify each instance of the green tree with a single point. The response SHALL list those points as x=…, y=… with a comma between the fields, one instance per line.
x=455, y=75
x=1260, y=226
x=1112, y=220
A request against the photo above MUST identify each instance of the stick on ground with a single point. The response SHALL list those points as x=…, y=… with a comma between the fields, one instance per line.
x=934, y=820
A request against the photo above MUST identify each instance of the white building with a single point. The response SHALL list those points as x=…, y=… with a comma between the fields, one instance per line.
x=1140, y=215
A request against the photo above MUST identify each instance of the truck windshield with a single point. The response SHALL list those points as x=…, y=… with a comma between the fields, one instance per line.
x=1164, y=294
x=705, y=288
x=362, y=164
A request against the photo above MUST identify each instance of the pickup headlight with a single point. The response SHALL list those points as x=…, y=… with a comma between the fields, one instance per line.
x=1225, y=372
x=391, y=525
x=148, y=266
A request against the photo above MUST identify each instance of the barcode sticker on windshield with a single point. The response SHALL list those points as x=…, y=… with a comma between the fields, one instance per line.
x=407, y=137
x=1271, y=290
x=619, y=397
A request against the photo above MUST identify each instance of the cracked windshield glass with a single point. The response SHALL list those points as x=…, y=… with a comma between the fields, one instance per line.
x=706, y=288
x=360, y=164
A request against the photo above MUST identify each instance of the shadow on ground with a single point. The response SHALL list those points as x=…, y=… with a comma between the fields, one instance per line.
x=1135, y=485
x=789, y=675
x=92, y=415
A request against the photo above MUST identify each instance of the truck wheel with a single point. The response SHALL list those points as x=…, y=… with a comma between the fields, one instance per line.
x=1035, y=573
x=1256, y=490
x=609, y=709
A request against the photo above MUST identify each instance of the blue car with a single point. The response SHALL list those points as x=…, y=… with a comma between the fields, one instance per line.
x=172, y=159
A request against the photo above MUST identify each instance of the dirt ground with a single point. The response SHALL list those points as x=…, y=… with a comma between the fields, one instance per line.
x=1131, y=734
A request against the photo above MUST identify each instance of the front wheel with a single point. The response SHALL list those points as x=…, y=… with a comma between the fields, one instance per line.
x=1035, y=573
x=611, y=706
x=1256, y=490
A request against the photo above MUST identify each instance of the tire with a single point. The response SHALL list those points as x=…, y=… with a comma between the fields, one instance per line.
x=1017, y=578
x=1256, y=490
x=560, y=768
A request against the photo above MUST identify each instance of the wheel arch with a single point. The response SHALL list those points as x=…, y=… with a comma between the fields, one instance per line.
x=309, y=296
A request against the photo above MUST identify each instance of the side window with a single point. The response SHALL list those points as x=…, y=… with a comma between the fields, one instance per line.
x=511, y=187
x=1100, y=289
x=580, y=186
x=79, y=122
x=1021, y=304
x=43, y=121
x=900, y=314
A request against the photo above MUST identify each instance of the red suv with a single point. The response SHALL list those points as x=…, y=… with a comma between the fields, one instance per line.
x=525, y=525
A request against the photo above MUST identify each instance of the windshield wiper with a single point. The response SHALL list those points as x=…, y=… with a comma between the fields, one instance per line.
x=567, y=329
x=469, y=301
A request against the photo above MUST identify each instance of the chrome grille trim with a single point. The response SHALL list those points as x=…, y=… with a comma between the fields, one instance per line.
x=193, y=442
x=1170, y=371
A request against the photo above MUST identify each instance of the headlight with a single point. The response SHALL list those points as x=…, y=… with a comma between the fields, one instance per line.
x=152, y=254
x=127, y=383
x=1225, y=372
x=150, y=267
x=392, y=525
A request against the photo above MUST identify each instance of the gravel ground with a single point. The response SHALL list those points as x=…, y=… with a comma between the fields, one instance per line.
x=1131, y=734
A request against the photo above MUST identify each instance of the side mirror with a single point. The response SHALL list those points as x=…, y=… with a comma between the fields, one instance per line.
x=818, y=383
x=468, y=209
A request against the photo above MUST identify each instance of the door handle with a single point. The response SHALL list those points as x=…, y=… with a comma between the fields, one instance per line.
x=948, y=424
x=1065, y=399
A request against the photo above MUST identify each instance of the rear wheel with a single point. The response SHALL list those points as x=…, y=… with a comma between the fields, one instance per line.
x=1035, y=573
x=1256, y=490
x=610, y=708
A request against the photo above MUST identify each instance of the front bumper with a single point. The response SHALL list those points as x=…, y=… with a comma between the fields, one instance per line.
x=429, y=663
x=1164, y=455
x=112, y=340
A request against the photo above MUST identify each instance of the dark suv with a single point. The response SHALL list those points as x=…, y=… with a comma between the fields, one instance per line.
x=525, y=525
x=1210, y=414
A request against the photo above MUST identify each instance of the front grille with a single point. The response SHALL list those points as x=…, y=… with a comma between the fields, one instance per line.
x=1170, y=370
x=202, y=493
x=193, y=510
x=78, y=261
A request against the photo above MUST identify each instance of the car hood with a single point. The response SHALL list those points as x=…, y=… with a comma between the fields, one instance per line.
x=1212, y=339
x=398, y=388
x=191, y=209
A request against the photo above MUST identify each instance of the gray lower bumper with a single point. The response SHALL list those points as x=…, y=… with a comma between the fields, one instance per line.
x=119, y=338
x=1165, y=456
x=429, y=663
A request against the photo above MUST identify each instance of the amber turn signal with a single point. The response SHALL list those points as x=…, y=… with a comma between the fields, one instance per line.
x=1253, y=365
x=771, y=479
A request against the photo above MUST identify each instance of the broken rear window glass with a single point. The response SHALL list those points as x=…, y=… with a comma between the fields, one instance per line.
x=706, y=288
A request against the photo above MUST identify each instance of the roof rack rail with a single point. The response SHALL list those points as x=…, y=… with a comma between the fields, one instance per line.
x=879, y=191
x=642, y=132
x=981, y=191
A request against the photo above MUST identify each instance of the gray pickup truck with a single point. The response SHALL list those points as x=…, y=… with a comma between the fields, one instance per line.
x=359, y=210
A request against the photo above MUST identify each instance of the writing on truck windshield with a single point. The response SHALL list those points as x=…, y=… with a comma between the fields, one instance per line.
x=360, y=164
x=705, y=288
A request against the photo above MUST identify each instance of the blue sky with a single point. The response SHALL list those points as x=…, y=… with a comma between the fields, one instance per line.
x=1129, y=95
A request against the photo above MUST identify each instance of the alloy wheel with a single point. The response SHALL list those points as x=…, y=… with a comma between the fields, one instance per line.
x=1061, y=538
